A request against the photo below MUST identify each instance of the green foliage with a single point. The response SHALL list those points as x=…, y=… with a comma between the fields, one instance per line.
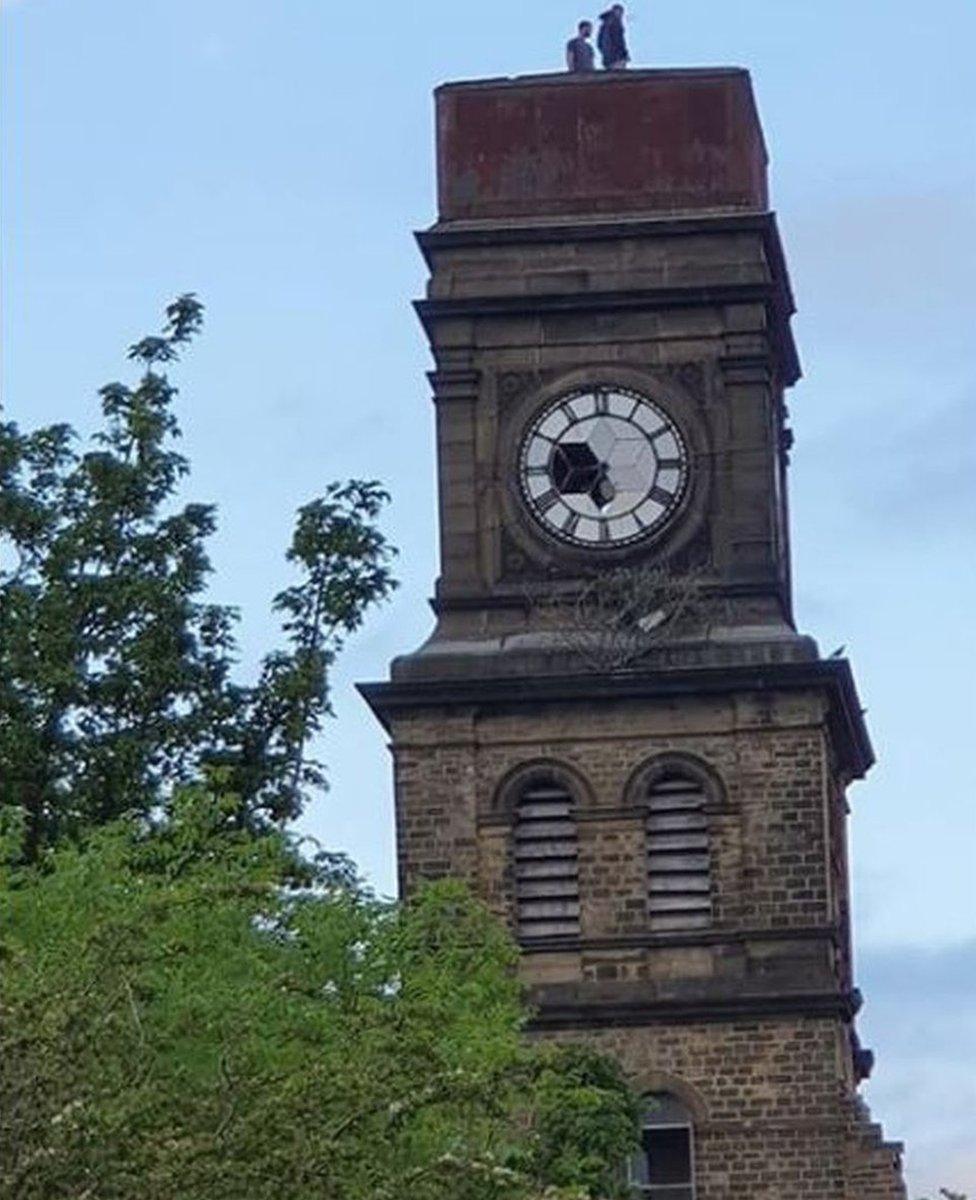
x=190, y=1010
x=115, y=673
x=584, y=1118
x=190, y=1006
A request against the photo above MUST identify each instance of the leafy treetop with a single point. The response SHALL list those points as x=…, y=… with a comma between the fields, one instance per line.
x=180, y=1019
x=115, y=672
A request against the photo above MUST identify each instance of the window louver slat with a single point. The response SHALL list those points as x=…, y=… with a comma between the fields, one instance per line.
x=540, y=868
x=547, y=909
x=671, y=842
x=678, y=861
x=533, y=888
x=689, y=884
x=535, y=830
x=673, y=822
x=546, y=863
x=564, y=848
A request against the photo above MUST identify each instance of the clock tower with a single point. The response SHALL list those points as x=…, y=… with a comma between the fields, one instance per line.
x=663, y=828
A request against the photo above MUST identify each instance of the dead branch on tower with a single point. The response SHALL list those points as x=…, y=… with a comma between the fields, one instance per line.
x=617, y=616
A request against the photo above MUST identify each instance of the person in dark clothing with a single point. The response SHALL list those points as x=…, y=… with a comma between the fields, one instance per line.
x=579, y=52
x=611, y=40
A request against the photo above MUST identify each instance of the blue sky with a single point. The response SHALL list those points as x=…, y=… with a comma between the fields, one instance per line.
x=276, y=157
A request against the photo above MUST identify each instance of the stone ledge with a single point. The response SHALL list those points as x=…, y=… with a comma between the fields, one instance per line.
x=678, y=940
x=845, y=716
x=607, y=1014
x=642, y=140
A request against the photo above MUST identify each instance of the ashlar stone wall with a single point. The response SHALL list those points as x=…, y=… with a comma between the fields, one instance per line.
x=744, y=1021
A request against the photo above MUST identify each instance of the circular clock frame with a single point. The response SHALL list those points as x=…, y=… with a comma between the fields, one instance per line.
x=603, y=467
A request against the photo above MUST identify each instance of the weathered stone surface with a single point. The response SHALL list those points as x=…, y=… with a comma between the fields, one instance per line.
x=749, y=1021
x=590, y=143
x=694, y=312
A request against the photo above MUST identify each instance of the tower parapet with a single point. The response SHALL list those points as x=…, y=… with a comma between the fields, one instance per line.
x=649, y=142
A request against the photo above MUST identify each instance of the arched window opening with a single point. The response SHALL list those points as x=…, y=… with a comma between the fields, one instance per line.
x=546, y=861
x=678, y=861
x=664, y=1167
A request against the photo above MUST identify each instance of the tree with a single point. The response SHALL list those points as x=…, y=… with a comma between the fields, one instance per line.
x=189, y=1010
x=115, y=673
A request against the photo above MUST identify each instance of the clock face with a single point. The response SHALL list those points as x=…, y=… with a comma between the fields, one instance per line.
x=603, y=467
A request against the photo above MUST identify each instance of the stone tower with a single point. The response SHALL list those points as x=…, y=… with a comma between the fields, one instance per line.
x=654, y=800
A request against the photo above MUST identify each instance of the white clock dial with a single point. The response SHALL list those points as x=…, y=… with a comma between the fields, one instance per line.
x=602, y=467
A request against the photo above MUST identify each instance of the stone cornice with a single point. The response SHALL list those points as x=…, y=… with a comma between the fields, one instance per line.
x=513, y=598
x=845, y=716
x=605, y=1014
x=454, y=235
x=777, y=294
x=680, y=939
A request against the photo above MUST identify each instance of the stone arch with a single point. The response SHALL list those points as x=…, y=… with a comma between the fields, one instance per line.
x=537, y=771
x=655, y=1083
x=658, y=767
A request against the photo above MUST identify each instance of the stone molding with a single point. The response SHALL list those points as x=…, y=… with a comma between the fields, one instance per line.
x=607, y=1014
x=678, y=762
x=776, y=295
x=509, y=789
x=845, y=717
x=685, y=938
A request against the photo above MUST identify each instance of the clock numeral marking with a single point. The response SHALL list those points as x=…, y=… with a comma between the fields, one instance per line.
x=604, y=526
x=570, y=523
x=673, y=464
x=602, y=403
x=661, y=496
x=630, y=415
x=547, y=500
x=568, y=413
x=539, y=470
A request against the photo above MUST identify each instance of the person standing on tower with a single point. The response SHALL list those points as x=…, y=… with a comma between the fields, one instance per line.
x=611, y=40
x=579, y=52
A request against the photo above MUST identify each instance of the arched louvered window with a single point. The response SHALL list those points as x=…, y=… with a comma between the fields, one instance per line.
x=546, y=861
x=678, y=863
x=664, y=1167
